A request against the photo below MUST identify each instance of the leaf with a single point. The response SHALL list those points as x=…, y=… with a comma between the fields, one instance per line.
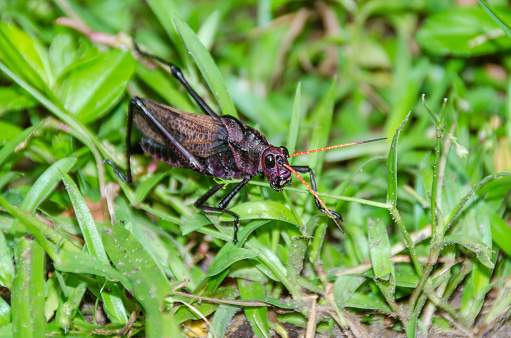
x=228, y=256
x=462, y=31
x=362, y=301
x=206, y=65
x=295, y=121
x=345, y=287
x=482, y=251
x=500, y=231
x=28, y=293
x=89, y=88
x=392, y=166
x=149, y=284
x=221, y=319
x=15, y=99
x=6, y=263
x=87, y=225
x=321, y=121
x=496, y=17
x=379, y=248
x=9, y=131
x=9, y=148
x=264, y=210
x=146, y=185
x=46, y=183
x=207, y=31
x=257, y=316
x=26, y=56
x=81, y=262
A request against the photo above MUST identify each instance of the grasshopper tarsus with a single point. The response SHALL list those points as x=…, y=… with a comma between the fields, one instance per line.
x=125, y=178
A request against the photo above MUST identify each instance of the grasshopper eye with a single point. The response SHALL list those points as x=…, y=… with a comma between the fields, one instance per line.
x=269, y=161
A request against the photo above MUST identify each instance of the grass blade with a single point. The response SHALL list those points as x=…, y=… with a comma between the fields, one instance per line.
x=392, y=167
x=206, y=65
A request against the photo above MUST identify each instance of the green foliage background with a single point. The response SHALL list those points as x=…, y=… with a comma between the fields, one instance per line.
x=426, y=213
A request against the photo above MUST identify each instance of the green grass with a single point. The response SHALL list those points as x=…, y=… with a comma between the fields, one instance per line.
x=426, y=213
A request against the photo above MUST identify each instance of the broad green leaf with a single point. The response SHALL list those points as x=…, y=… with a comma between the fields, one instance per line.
x=81, y=262
x=146, y=185
x=362, y=301
x=379, y=248
x=463, y=31
x=207, y=66
x=9, y=131
x=345, y=287
x=14, y=98
x=44, y=186
x=89, y=88
x=46, y=183
x=45, y=234
x=500, y=231
x=482, y=251
x=26, y=55
x=149, y=284
x=263, y=210
x=63, y=51
x=226, y=257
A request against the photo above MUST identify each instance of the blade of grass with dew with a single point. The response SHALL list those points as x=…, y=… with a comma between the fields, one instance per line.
x=383, y=267
x=149, y=284
x=146, y=184
x=74, y=289
x=257, y=316
x=112, y=298
x=225, y=258
x=392, y=167
x=207, y=66
x=221, y=319
x=27, y=294
x=44, y=186
x=45, y=234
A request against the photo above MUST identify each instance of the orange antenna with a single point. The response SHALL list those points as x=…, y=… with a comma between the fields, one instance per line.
x=315, y=195
x=333, y=147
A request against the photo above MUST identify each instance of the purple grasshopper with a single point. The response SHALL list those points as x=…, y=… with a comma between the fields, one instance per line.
x=219, y=146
